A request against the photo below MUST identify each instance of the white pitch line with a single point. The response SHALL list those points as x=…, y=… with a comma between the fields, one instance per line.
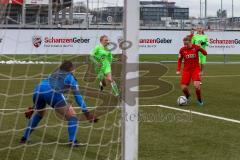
x=196, y=113
x=10, y=109
x=161, y=106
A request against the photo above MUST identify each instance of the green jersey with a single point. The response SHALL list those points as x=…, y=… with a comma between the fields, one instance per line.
x=101, y=54
x=203, y=41
x=199, y=39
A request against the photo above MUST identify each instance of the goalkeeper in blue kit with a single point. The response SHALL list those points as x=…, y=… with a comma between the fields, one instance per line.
x=52, y=91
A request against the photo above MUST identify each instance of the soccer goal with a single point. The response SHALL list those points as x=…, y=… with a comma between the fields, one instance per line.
x=35, y=37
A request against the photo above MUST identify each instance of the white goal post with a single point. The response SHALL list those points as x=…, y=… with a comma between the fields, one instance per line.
x=130, y=112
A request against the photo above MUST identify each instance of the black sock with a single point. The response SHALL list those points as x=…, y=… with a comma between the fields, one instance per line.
x=186, y=93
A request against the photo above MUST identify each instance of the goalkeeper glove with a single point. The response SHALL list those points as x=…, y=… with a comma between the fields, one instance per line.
x=203, y=43
x=90, y=117
x=29, y=112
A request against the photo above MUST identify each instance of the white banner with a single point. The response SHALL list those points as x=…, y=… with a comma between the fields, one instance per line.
x=83, y=41
x=169, y=42
x=37, y=2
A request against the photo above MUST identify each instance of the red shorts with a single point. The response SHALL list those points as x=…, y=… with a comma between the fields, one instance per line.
x=188, y=75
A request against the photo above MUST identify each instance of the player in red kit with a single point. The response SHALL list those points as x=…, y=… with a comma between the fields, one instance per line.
x=191, y=70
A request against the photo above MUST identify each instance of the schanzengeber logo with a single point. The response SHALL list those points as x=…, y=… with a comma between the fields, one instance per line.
x=58, y=41
x=223, y=43
x=153, y=42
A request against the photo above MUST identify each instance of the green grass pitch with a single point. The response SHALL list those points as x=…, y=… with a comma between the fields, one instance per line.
x=163, y=133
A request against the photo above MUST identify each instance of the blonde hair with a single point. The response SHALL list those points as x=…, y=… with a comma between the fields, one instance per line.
x=102, y=37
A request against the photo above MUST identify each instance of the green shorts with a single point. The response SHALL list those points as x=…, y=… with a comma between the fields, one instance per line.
x=103, y=70
x=202, y=58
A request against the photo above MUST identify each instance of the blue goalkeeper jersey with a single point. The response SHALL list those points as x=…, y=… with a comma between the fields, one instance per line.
x=59, y=83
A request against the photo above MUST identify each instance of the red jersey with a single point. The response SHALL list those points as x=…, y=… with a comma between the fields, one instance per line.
x=190, y=56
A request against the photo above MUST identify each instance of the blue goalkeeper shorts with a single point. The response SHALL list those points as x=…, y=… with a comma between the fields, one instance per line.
x=43, y=95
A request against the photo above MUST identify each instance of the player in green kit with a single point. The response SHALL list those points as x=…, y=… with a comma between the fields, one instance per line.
x=201, y=40
x=102, y=58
